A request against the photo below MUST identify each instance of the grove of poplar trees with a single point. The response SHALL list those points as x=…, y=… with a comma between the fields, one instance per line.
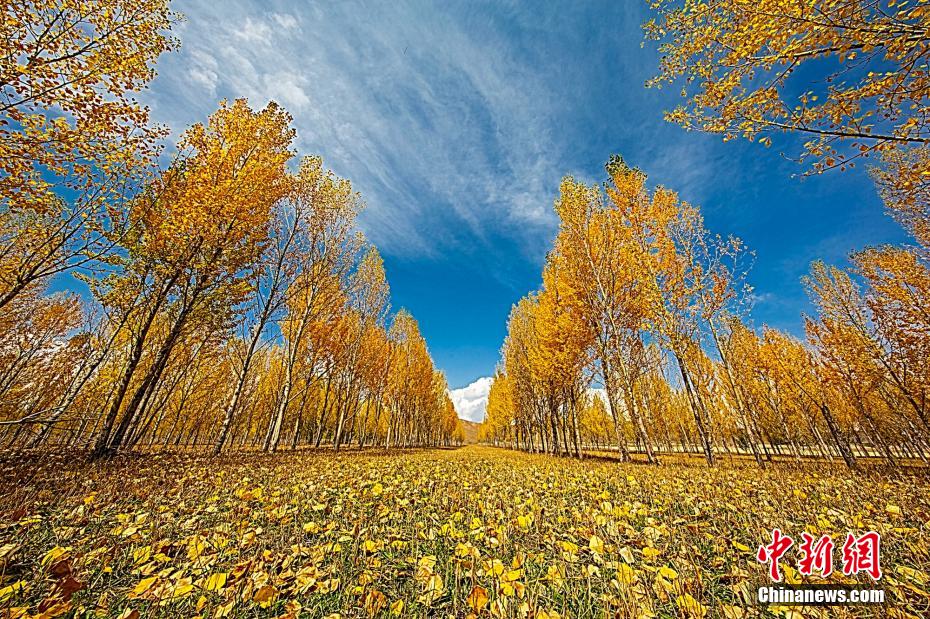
x=640, y=338
x=231, y=300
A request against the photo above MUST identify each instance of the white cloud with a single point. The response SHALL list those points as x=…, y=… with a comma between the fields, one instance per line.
x=286, y=20
x=470, y=402
x=441, y=125
x=254, y=31
x=758, y=298
x=202, y=70
x=287, y=89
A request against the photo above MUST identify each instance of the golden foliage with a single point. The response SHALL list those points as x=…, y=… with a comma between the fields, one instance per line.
x=432, y=533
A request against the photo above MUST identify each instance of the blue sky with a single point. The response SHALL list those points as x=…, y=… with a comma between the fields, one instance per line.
x=456, y=122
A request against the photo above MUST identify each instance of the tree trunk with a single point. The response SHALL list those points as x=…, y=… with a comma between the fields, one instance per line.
x=697, y=408
x=841, y=443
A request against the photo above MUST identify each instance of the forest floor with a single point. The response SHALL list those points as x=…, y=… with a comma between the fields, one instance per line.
x=439, y=533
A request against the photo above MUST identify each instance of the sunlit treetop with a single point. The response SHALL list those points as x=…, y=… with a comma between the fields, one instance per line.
x=746, y=70
x=68, y=73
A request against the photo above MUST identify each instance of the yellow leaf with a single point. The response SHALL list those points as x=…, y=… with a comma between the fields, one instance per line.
x=915, y=575
x=690, y=607
x=556, y=575
x=265, y=596
x=9, y=590
x=477, y=599
x=434, y=583
x=141, y=554
x=216, y=581
x=56, y=609
x=732, y=612
x=494, y=567
x=627, y=555
x=223, y=610
x=182, y=588
x=195, y=547
x=375, y=601
x=7, y=550
x=625, y=574
x=144, y=585
x=53, y=555
x=596, y=545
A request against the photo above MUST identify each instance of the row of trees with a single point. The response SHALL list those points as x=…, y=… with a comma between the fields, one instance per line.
x=232, y=299
x=638, y=340
x=640, y=301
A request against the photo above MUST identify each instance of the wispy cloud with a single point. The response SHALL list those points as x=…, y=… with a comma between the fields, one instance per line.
x=434, y=119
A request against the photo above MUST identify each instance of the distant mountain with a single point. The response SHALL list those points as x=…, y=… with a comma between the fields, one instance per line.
x=471, y=431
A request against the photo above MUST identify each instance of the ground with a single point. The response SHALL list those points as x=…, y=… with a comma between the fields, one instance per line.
x=434, y=533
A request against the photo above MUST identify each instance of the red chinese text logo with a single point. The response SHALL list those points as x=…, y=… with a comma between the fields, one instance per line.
x=860, y=554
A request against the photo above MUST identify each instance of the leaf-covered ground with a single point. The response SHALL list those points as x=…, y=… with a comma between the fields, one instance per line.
x=433, y=533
